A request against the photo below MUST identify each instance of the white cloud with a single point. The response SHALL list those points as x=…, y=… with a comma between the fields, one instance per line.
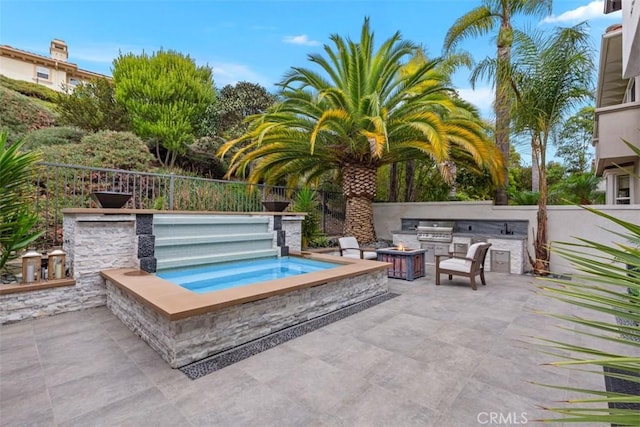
x=593, y=10
x=99, y=54
x=230, y=74
x=481, y=97
x=301, y=39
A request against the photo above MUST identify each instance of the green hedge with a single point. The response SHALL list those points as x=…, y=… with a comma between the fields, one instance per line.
x=29, y=89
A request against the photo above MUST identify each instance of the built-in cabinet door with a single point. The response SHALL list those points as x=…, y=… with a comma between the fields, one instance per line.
x=500, y=261
x=434, y=249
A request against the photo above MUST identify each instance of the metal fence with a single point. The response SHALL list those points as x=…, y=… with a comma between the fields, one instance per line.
x=68, y=186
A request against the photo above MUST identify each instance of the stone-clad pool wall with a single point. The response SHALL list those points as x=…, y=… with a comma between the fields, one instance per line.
x=187, y=340
x=102, y=239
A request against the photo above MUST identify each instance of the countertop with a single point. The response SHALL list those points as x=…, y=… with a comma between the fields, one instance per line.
x=487, y=235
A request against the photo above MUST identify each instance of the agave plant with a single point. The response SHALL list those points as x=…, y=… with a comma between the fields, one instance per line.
x=609, y=284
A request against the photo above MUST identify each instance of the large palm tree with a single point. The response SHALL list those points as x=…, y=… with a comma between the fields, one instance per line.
x=483, y=20
x=549, y=81
x=356, y=115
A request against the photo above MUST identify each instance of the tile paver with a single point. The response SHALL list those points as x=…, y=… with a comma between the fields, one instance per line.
x=434, y=356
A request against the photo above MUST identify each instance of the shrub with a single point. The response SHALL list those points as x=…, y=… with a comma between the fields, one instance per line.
x=53, y=136
x=92, y=107
x=29, y=89
x=117, y=150
x=200, y=158
x=306, y=201
x=20, y=114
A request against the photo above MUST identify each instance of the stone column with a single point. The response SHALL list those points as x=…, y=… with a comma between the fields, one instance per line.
x=146, y=243
x=281, y=235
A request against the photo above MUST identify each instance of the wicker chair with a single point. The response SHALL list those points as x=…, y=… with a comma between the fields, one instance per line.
x=470, y=265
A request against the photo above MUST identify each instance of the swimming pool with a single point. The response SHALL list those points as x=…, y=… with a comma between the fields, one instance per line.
x=227, y=275
x=185, y=326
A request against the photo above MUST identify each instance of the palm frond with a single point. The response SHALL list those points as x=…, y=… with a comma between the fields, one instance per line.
x=607, y=276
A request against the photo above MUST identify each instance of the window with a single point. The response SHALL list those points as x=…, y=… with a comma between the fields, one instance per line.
x=74, y=82
x=630, y=94
x=42, y=73
x=623, y=190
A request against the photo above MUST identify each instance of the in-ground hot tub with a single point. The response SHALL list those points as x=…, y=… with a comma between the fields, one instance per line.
x=184, y=327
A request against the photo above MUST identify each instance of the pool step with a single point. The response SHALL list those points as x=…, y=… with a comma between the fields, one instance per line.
x=187, y=226
x=186, y=240
x=226, y=238
x=166, y=263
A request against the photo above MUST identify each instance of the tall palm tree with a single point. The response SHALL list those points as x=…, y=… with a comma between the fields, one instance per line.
x=356, y=115
x=484, y=20
x=549, y=81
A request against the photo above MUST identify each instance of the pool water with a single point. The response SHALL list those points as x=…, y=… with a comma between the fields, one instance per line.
x=216, y=277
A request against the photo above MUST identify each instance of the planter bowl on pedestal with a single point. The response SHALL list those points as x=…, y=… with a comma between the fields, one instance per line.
x=110, y=199
x=271, y=206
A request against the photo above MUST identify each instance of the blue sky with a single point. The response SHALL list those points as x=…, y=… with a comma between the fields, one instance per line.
x=256, y=40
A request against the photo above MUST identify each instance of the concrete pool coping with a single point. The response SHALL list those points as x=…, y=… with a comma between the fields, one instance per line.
x=175, y=302
x=130, y=211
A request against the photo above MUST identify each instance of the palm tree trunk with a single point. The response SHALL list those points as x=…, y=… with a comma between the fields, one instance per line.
x=543, y=254
x=409, y=181
x=393, y=182
x=503, y=108
x=535, y=170
x=359, y=188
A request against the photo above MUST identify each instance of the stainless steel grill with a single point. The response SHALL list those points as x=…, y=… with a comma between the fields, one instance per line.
x=430, y=232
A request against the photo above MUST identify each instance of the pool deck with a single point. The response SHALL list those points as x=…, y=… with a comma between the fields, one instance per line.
x=434, y=356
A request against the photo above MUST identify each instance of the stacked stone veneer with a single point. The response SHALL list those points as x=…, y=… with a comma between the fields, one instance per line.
x=99, y=241
x=92, y=243
x=292, y=228
x=184, y=341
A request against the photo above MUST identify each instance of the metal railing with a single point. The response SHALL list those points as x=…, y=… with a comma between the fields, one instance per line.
x=60, y=186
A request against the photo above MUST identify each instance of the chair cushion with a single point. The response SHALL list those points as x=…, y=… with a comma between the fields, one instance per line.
x=348, y=242
x=369, y=255
x=456, y=264
x=471, y=252
x=353, y=253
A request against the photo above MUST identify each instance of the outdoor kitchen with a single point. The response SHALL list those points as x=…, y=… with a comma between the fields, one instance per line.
x=439, y=237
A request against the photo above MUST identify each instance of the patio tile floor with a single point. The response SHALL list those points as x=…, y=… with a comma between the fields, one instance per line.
x=434, y=356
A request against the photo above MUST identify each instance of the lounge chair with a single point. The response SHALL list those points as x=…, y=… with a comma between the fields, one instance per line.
x=350, y=248
x=470, y=265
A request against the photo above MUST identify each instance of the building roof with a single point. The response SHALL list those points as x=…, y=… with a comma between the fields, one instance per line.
x=71, y=68
x=611, y=85
x=612, y=6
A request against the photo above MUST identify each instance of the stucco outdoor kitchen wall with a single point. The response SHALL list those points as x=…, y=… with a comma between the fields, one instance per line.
x=565, y=223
